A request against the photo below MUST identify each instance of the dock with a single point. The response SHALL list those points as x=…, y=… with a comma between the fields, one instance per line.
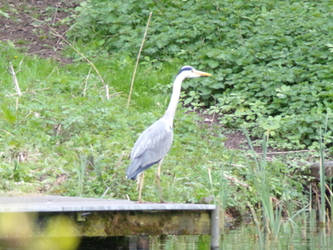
x=95, y=217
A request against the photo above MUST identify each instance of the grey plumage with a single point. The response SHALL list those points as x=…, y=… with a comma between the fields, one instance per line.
x=154, y=143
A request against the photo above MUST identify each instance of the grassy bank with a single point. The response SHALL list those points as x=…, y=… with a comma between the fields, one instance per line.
x=271, y=91
x=63, y=137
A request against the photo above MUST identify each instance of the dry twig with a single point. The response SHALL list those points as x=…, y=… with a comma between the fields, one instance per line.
x=288, y=152
x=137, y=60
x=15, y=81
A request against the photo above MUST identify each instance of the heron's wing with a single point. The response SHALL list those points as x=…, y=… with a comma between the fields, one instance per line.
x=154, y=143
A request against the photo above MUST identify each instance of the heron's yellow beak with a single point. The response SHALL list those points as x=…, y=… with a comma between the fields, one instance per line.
x=201, y=73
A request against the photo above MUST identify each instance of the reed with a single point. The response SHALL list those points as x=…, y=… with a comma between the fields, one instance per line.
x=270, y=220
x=137, y=60
x=223, y=197
x=323, y=184
x=331, y=200
x=271, y=217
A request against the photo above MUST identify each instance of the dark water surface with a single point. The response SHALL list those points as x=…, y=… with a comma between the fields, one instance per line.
x=305, y=234
x=292, y=236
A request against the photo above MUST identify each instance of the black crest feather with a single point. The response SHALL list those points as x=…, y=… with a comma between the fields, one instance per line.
x=184, y=69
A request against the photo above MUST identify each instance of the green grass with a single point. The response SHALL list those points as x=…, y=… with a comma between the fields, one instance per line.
x=55, y=140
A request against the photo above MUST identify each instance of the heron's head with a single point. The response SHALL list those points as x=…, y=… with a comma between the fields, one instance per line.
x=190, y=72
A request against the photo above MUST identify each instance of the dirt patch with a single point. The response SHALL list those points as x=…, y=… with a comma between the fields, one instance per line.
x=28, y=25
x=235, y=140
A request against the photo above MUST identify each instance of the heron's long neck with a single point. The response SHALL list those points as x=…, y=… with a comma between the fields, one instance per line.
x=171, y=110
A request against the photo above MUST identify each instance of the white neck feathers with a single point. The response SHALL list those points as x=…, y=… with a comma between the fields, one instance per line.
x=171, y=110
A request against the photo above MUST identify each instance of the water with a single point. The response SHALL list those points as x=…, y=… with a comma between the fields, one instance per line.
x=292, y=236
x=304, y=234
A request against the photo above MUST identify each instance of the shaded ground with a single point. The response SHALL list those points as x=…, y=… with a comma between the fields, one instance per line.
x=234, y=139
x=28, y=25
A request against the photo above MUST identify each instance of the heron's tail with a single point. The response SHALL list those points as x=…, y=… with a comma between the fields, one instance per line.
x=133, y=170
x=136, y=168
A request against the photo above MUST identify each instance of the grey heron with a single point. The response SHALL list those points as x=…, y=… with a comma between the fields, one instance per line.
x=154, y=142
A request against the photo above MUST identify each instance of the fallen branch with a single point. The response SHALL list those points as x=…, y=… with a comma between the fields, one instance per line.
x=137, y=60
x=15, y=81
x=287, y=152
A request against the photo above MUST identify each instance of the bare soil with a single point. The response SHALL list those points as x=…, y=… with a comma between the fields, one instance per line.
x=29, y=23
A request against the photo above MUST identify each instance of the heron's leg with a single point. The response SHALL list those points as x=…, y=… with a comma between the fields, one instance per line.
x=158, y=174
x=138, y=181
x=158, y=179
x=140, y=185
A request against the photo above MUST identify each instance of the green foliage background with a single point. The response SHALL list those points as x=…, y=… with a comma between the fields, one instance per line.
x=272, y=73
x=271, y=59
x=58, y=138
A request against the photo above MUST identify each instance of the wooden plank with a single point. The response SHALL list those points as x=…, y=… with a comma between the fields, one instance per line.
x=91, y=217
x=76, y=204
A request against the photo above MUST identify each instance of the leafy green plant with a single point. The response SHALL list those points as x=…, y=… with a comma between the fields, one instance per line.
x=271, y=59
